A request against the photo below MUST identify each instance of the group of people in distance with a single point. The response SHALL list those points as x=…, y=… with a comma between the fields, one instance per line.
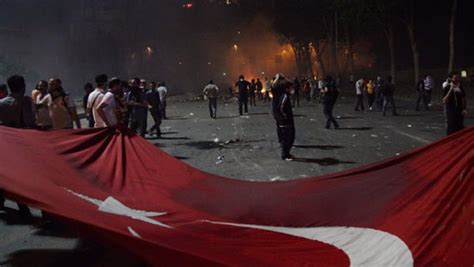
x=126, y=104
x=111, y=103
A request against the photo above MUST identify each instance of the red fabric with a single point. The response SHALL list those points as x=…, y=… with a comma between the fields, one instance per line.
x=423, y=197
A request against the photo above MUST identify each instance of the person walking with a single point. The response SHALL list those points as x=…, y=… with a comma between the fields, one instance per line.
x=211, y=91
x=330, y=94
x=455, y=104
x=283, y=114
x=359, y=94
x=296, y=92
x=242, y=87
x=387, y=92
x=370, y=94
x=163, y=92
x=154, y=103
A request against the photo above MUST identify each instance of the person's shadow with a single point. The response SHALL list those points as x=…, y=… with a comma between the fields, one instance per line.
x=323, y=161
x=322, y=147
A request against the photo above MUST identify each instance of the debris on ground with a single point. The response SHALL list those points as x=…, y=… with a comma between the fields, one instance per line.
x=220, y=160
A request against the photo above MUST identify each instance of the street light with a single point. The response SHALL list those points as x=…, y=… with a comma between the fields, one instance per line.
x=236, y=47
x=148, y=51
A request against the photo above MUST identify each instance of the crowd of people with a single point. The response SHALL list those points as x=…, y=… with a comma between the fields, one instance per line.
x=111, y=103
x=285, y=94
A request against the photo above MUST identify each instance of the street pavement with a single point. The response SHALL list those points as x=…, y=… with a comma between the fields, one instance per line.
x=237, y=147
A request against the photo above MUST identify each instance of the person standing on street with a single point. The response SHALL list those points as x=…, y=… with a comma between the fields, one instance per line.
x=109, y=108
x=359, y=94
x=88, y=89
x=154, y=103
x=242, y=87
x=388, y=90
x=329, y=96
x=283, y=114
x=211, y=91
x=455, y=104
x=296, y=92
x=429, y=86
x=252, y=93
x=16, y=110
x=163, y=92
x=61, y=106
x=370, y=94
x=138, y=108
x=420, y=89
x=95, y=98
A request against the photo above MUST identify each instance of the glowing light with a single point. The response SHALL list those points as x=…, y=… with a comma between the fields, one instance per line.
x=224, y=74
x=188, y=5
x=263, y=73
x=180, y=63
x=238, y=32
x=284, y=52
x=148, y=51
x=236, y=47
x=464, y=74
x=209, y=63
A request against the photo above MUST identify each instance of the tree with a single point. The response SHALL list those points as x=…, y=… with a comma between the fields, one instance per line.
x=452, y=25
x=408, y=19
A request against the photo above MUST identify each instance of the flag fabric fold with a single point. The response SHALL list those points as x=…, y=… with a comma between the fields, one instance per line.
x=415, y=209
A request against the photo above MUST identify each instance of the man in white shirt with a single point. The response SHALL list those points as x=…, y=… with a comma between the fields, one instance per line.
x=360, y=98
x=95, y=98
x=108, y=109
x=211, y=91
x=163, y=92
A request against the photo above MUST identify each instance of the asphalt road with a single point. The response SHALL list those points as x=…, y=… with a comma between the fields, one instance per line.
x=240, y=148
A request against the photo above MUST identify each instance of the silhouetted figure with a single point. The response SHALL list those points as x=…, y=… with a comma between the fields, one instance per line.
x=329, y=98
x=283, y=114
x=455, y=104
x=242, y=89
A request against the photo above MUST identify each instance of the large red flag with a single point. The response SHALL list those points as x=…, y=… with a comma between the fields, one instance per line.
x=414, y=209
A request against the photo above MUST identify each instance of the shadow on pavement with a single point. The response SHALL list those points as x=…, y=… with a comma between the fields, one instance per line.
x=13, y=217
x=322, y=147
x=323, y=161
x=174, y=138
x=348, y=117
x=181, y=158
x=87, y=253
x=356, y=128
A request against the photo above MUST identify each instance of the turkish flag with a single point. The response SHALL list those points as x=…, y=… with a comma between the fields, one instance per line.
x=414, y=209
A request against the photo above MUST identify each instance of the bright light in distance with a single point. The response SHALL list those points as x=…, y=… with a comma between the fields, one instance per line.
x=224, y=74
x=209, y=63
x=180, y=63
x=263, y=73
x=188, y=5
x=149, y=51
x=464, y=74
x=236, y=47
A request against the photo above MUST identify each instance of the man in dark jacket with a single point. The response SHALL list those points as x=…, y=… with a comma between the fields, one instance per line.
x=16, y=110
x=329, y=96
x=388, y=90
x=283, y=114
x=243, y=87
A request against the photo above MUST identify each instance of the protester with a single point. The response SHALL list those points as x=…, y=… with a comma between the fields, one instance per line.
x=211, y=91
x=359, y=94
x=422, y=95
x=296, y=92
x=108, y=110
x=378, y=93
x=370, y=94
x=16, y=110
x=242, y=87
x=268, y=89
x=154, y=103
x=329, y=96
x=260, y=92
x=61, y=106
x=252, y=93
x=283, y=114
x=313, y=84
x=35, y=92
x=87, y=91
x=95, y=98
x=3, y=91
x=321, y=86
x=387, y=91
x=138, y=108
x=429, y=86
x=43, y=118
x=163, y=91
x=455, y=104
